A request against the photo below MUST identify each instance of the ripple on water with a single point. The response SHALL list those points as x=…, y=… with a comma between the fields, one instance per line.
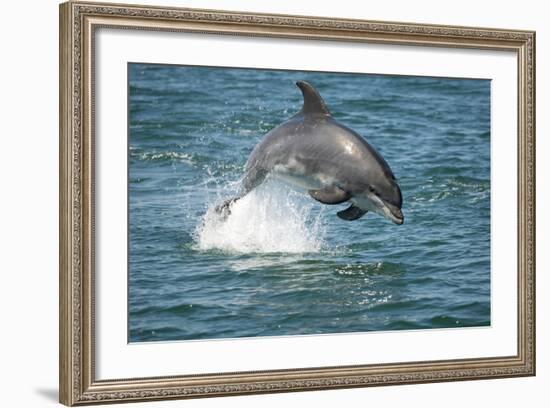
x=282, y=264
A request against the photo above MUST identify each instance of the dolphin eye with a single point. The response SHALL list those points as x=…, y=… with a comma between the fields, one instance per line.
x=372, y=190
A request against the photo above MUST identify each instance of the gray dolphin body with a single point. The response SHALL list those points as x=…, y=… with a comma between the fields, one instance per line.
x=333, y=163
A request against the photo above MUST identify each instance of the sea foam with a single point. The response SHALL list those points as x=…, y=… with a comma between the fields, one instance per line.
x=271, y=218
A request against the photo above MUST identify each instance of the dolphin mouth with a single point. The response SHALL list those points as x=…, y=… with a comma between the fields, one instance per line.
x=396, y=215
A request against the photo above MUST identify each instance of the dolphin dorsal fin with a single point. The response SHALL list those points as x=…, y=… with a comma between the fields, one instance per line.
x=313, y=103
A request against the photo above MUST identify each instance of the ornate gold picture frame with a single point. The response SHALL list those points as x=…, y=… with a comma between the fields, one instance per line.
x=79, y=22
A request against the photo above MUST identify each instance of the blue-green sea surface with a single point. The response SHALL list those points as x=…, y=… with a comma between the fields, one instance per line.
x=282, y=263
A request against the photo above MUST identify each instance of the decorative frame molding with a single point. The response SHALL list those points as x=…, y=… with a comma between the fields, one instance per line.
x=78, y=21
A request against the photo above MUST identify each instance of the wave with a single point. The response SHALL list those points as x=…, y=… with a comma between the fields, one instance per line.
x=163, y=156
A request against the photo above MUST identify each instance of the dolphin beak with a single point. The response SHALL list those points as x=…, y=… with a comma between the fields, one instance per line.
x=399, y=218
x=396, y=215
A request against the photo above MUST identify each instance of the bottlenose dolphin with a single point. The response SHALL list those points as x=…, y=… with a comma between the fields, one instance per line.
x=333, y=163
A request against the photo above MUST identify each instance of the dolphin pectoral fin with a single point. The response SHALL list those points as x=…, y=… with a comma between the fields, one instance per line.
x=330, y=195
x=351, y=213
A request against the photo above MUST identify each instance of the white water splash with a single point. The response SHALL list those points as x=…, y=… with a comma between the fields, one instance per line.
x=271, y=218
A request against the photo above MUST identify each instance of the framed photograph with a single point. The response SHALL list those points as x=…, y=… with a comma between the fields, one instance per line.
x=256, y=203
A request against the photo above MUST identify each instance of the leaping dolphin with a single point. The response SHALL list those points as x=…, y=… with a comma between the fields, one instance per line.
x=333, y=163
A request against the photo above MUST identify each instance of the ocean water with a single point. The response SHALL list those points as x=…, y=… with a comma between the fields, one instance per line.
x=282, y=263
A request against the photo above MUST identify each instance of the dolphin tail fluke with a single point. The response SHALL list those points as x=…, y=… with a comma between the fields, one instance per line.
x=224, y=209
x=252, y=179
